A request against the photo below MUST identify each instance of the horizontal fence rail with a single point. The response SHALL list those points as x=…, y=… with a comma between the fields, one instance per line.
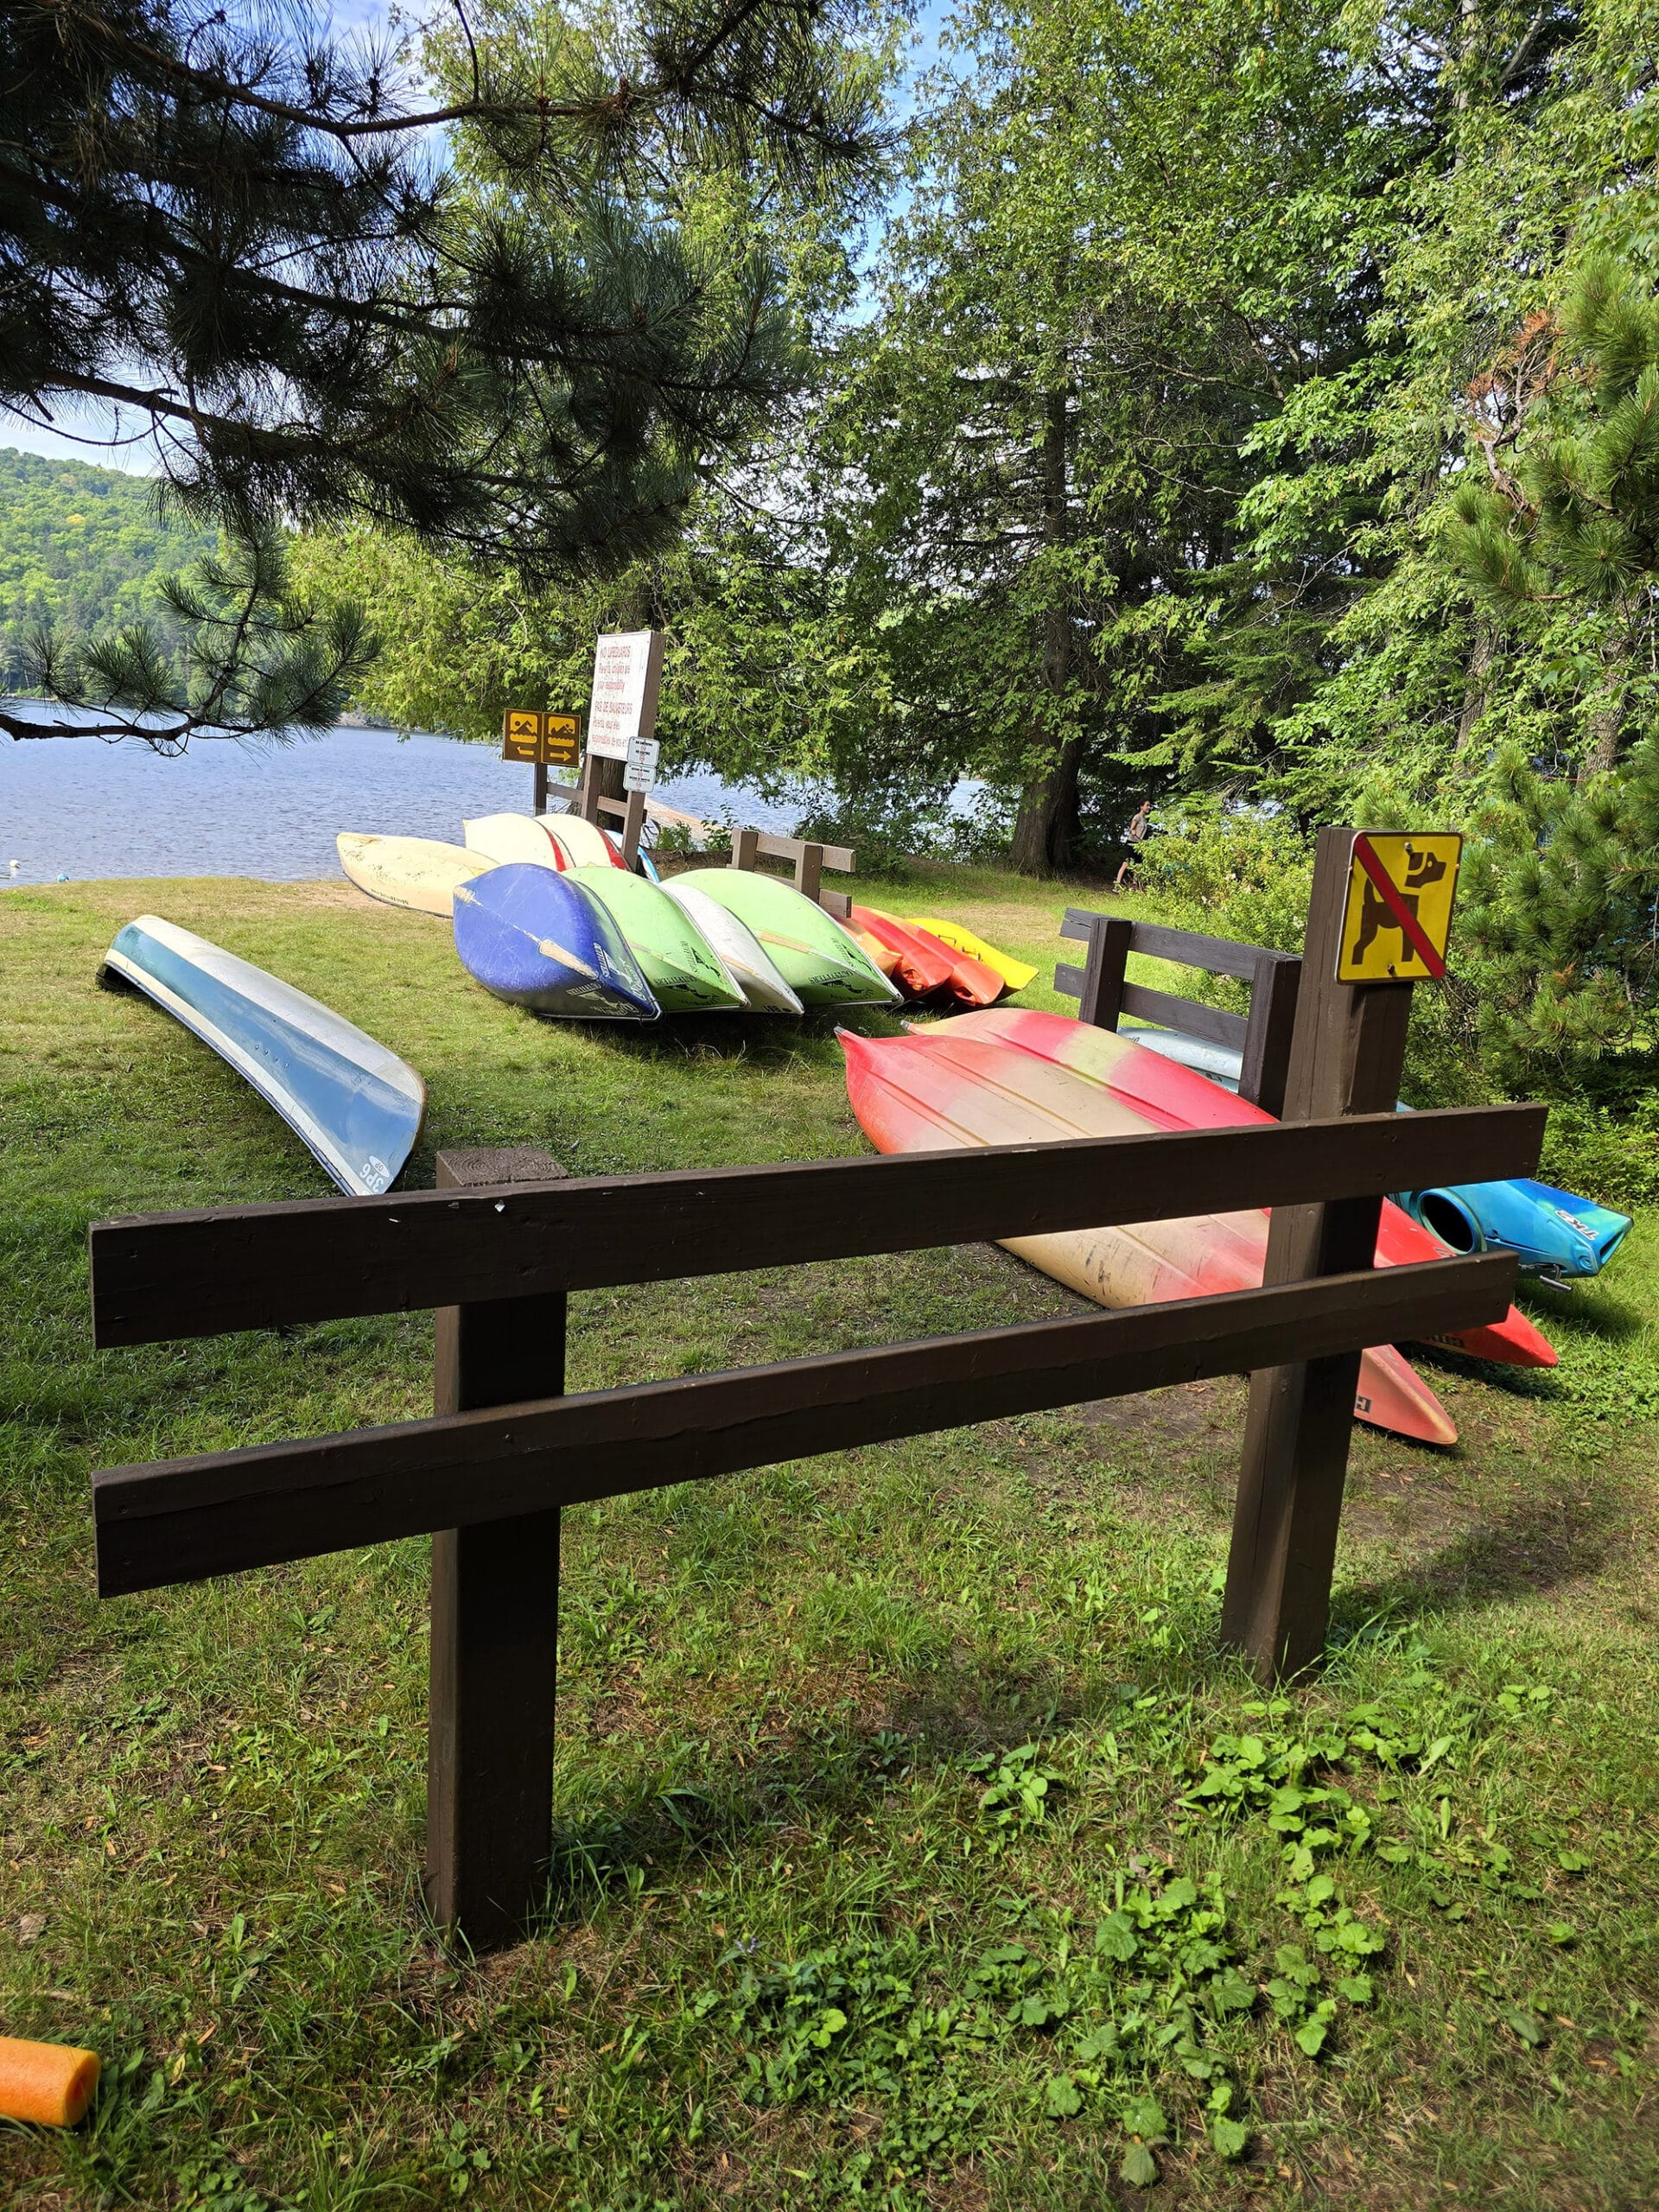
x=193, y=1274
x=1220, y=955
x=216, y=1514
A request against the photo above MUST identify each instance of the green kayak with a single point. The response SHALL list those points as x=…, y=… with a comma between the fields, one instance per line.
x=815, y=956
x=685, y=974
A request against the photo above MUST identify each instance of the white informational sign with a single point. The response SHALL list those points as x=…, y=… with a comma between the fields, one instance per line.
x=640, y=774
x=627, y=669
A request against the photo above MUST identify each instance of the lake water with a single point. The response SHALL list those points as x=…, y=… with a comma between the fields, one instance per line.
x=75, y=809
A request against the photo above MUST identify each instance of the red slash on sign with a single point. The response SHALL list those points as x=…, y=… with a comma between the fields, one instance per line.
x=1403, y=910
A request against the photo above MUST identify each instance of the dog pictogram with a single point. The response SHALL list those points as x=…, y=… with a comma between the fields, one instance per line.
x=1375, y=914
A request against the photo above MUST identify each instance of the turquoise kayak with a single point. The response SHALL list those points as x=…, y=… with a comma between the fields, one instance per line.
x=1553, y=1233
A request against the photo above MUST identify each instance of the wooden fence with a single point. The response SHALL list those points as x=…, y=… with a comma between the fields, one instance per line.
x=1104, y=993
x=809, y=857
x=497, y=1247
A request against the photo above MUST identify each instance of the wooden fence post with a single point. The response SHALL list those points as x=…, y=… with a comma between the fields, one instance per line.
x=1101, y=1000
x=1347, y=1054
x=1274, y=985
x=809, y=871
x=633, y=822
x=495, y=1612
x=745, y=846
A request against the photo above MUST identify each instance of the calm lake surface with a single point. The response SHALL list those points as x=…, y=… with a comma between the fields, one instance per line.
x=75, y=809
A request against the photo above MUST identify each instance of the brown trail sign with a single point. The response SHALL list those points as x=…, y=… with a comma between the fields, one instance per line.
x=497, y=1247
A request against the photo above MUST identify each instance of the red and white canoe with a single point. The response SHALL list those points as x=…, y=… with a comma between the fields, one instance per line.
x=1010, y=1077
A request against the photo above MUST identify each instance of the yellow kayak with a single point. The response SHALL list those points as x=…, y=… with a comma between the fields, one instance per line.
x=1014, y=973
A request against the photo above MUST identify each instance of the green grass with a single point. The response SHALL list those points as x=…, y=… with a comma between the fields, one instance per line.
x=916, y=1845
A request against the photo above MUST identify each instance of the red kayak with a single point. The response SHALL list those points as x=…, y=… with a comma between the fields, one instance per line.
x=926, y=962
x=1174, y=1097
x=959, y=1083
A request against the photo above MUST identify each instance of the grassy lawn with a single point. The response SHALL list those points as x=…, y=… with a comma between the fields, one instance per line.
x=916, y=1845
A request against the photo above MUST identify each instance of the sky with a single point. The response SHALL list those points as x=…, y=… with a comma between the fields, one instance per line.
x=93, y=433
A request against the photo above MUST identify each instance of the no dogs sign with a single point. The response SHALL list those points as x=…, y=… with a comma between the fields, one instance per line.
x=1401, y=886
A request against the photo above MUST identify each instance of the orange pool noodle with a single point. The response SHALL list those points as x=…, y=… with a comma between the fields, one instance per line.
x=47, y=2082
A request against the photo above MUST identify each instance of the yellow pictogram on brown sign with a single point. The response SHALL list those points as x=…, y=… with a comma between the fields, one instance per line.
x=549, y=740
x=1398, y=918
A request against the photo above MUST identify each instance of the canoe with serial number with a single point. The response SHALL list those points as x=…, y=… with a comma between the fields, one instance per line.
x=355, y=1105
x=537, y=939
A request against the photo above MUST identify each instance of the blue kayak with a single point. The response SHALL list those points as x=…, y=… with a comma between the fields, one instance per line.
x=537, y=939
x=351, y=1100
x=1551, y=1232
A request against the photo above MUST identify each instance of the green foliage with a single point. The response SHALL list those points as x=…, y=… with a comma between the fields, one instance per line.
x=84, y=549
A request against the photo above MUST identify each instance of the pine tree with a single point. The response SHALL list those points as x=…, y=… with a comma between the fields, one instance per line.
x=475, y=318
x=1561, y=546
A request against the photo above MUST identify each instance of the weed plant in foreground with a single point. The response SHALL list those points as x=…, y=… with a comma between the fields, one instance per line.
x=916, y=1846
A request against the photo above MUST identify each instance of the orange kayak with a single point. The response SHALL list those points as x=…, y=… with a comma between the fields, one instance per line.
x=926, y=962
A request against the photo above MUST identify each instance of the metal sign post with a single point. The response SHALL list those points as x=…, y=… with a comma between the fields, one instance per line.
x=639, y=774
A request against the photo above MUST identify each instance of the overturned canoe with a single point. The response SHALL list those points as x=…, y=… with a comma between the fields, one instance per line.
x=686, y=975
x=350, y=1100
x=740, y=950
x=821, y=961
x=930, y=1091
x=537, y=939
x=419, y=873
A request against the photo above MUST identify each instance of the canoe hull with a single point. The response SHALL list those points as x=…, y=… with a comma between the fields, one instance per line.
x=685, y=974
x=971, y=981
x=818, y=959
x=354, y=1104
x=929, y=1091
x=739, y=951
x=1177, y=1098
x=536, y=939
x=1016, y=974
x=420, y=874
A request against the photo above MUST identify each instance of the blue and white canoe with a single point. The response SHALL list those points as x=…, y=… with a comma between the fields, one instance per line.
x=539, y=940
x=355, y=1105
x=1553, y=1233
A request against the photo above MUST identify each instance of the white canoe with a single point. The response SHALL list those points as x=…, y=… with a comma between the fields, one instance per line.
x=738, y=947
x=505, y=838
x=420, y=872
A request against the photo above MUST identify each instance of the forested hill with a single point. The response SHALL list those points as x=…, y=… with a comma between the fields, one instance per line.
x=81, y=547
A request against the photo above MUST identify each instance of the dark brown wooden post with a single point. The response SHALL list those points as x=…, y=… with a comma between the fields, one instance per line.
x=1274, y=986
x=1101, y=1000
x=746, y=846
x=633, y=822
x=1347, y=1053
x=495, y=1615
x=809, y=871
x=540, y=795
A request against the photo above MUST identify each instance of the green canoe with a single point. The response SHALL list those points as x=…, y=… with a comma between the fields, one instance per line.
x=815, y=956
x=685, y=974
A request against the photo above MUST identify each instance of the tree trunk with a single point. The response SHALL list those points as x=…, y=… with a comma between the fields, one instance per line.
x=1046, y=828
x=1609, y=718
x=1483, y=652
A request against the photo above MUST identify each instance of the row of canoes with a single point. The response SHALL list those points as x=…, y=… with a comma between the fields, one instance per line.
x=547, y=916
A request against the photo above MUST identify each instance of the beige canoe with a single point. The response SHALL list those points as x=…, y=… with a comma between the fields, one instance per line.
x=415, y=871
